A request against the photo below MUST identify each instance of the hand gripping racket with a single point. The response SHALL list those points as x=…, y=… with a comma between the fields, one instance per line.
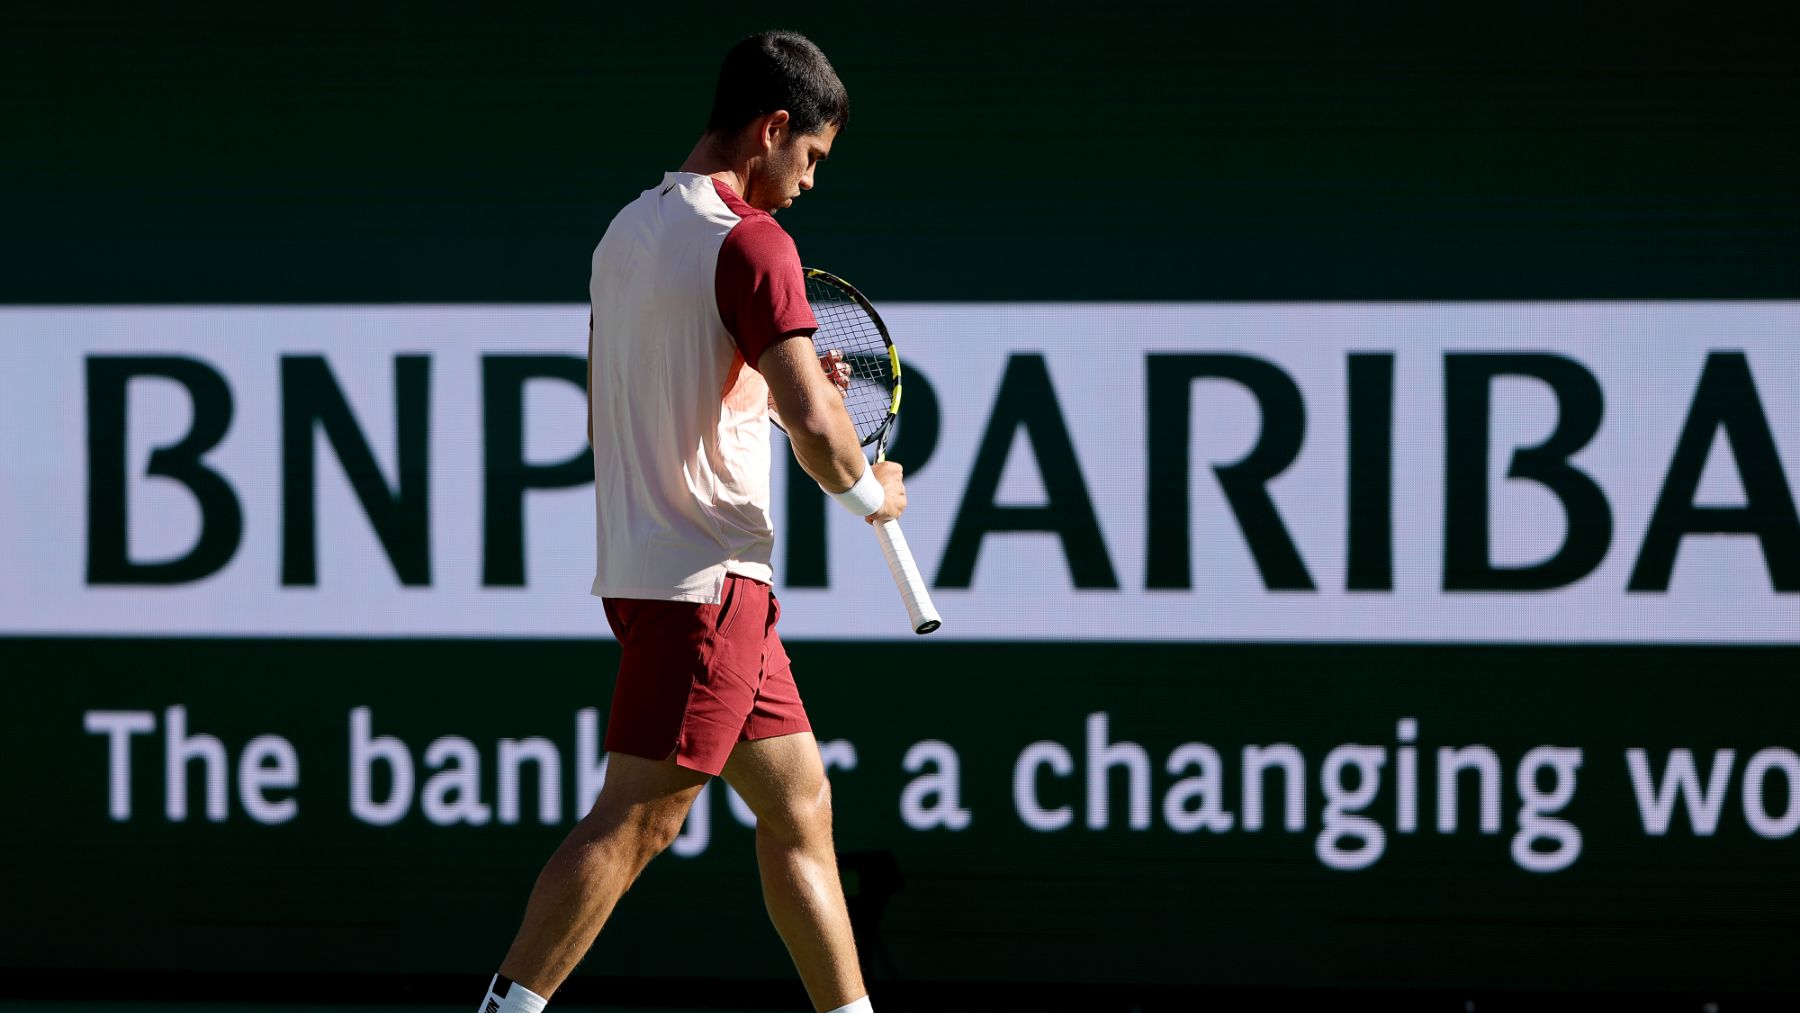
x=849, y=324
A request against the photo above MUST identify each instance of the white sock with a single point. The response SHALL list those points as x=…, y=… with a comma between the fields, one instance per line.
x=505, y=995
x=859, y=1006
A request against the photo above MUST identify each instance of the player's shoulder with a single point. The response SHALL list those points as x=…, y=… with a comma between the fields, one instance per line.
x=637, y=216
x=759, y=233
x=758, y=238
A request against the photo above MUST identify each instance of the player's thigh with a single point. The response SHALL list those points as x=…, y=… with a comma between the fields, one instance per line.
x=655, y=794
x=783, y=781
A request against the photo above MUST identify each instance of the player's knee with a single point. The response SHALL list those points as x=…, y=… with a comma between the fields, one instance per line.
x=657, y=829
x=802, y=817
x=634, y=833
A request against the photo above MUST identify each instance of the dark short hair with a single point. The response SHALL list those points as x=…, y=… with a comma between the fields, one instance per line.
x=778, y=70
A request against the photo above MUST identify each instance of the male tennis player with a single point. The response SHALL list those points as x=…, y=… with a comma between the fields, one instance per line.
x=699, y=319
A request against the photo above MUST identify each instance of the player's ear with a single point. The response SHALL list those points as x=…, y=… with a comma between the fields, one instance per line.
x=774, y=128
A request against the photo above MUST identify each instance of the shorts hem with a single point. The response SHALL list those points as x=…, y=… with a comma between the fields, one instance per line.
x=786, y=728
x=699, y=767
x=684, y=762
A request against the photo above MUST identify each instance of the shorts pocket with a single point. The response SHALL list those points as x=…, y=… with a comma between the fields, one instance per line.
x=730, y=604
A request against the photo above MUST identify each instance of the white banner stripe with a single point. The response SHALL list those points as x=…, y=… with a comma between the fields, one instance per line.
x=1089, y=371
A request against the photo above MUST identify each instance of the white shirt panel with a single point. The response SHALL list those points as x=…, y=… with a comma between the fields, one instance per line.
x=681, y=426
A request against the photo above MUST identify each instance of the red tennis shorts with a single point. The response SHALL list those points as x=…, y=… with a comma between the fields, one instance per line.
x=695, y=680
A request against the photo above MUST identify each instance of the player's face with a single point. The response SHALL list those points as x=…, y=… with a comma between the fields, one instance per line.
x=788, y=169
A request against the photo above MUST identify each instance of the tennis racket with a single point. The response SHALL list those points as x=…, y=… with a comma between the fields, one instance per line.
x=849, y=325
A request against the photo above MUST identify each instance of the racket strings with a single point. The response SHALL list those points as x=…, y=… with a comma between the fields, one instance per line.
x=845, y=326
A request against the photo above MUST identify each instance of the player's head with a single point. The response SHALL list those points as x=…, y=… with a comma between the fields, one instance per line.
x=779, y=105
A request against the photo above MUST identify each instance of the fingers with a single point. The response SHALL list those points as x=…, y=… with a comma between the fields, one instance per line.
x=836, y=368
x=888, y=473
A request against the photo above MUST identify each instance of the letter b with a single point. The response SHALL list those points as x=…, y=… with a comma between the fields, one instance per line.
x=1468, y=388
x=221, y=518
x=365, y=751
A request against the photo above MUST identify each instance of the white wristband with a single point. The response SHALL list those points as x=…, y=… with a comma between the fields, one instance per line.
x=865, y=497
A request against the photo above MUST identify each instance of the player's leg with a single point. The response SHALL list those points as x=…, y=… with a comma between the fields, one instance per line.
x=783, y=781
x=639, y=812
x=681, y=694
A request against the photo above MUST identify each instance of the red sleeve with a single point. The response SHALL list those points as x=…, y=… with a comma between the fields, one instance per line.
x=761, y=291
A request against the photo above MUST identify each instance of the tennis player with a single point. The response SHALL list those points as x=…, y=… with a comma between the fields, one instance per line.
x=700, y=319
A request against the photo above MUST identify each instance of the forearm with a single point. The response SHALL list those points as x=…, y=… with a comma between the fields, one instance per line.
x=812, y=412
x=826, y=449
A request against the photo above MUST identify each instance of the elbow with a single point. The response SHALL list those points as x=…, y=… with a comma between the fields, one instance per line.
x=818, y=442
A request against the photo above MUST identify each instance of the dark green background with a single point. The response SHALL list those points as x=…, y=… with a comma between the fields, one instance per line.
x=411, y=152
x=466, y=152
x=996, y=902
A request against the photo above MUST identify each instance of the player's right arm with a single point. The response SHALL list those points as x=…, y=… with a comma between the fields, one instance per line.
x=812, y=412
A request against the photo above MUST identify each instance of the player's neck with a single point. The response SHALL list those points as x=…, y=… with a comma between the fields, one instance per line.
x=709, y=159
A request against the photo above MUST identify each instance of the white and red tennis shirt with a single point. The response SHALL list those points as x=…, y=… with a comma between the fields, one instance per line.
x=689, y=286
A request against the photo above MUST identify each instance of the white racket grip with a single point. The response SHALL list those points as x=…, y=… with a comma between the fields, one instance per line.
x=907, y=577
